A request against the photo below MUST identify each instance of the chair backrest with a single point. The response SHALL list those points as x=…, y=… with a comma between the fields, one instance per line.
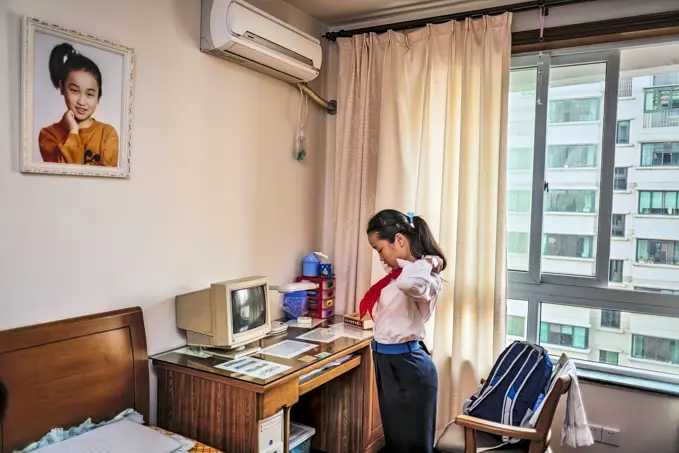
x=546, y=417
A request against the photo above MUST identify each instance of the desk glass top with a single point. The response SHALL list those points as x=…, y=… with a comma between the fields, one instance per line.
x=350, y=337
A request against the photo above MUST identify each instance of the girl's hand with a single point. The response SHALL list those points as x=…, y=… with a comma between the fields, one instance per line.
x=436, y=263
x=70, y=122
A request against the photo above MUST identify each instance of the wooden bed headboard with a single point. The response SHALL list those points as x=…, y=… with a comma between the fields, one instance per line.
x=60, y=373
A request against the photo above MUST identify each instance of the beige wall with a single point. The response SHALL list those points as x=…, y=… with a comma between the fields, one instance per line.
x=648, y=423
x=214, y=194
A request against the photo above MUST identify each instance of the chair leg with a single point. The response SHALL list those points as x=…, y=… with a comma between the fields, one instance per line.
x=469, y=441
x=537, y=446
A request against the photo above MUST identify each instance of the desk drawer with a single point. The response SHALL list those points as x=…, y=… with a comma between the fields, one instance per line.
x=328, y=375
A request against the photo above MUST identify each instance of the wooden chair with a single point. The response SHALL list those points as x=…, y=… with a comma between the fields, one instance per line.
x=466, y=433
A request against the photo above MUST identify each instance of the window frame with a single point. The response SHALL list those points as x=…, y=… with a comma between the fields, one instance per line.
x=663, y=207
x=617, y=132
x=591, y=292
x=644, y=144
x=613, y=223
x=617, y=177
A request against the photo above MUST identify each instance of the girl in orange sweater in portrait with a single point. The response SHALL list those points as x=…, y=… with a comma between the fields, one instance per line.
x=78, y=138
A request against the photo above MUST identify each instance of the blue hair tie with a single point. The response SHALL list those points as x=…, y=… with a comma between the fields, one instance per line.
x=411, y=215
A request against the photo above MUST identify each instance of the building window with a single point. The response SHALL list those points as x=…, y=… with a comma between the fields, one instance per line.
x=659, y=202
x=658, y=252
x=572, y=156
x=610, y=319
x=615, y=273
x=516, y=326
x=620, y=178
x=562, y=335
x=618, y=225
x=656, y=349
x=625, y=87
x=517, y=242
x=622, y=133
x=568, y=245
x=574, y=110
x=664, y=154
x=674, y=292
x=518, y=201
x=570, y=201
x=657, y=99
x=520, y=159
x=608, y=357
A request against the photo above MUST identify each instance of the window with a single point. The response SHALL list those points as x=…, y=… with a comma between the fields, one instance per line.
x=609, y=357
x=664, y=154
x=517, y=242
x=622, y=133
x=625, y=87
x=520, y=159
x=576, y=267
x=516, y=326
x=518, y=201
x=620, y=179
x=615, y=274
x=665, y=98
x=656, y=349
x=618, y=225
x=572, y=156
x=570, y=201
x=568, y=246
x=610, y=319
x=674, y=292
x=562, y=335
x=658, y=252
x=574, y=110
x=659, y=203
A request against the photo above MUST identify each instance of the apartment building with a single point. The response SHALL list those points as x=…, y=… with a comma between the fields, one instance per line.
x=645, y=221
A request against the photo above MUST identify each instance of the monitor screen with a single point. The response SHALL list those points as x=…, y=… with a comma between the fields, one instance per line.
x=248, y=308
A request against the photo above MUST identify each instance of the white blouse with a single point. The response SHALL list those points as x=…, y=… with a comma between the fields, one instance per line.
x=406, y=304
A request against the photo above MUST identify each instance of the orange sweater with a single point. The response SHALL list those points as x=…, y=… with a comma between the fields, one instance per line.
x=95, y=145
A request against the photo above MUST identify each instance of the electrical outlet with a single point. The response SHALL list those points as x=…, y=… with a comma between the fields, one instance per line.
x=597, y=432
x=611, y=436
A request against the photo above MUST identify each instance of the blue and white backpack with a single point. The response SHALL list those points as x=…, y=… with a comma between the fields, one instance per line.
x=516, y=386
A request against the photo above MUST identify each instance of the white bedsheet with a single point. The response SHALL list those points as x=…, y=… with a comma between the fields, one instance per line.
x=120, y=437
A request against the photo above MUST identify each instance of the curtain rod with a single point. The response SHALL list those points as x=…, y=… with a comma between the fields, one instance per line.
x=417, y=23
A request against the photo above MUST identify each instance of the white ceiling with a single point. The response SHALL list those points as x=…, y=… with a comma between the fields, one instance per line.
x=344, y=12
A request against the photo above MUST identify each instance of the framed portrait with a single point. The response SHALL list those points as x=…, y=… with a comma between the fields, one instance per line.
x=77, y=103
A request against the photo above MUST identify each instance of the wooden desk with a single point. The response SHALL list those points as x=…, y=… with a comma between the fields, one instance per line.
x=222, y=409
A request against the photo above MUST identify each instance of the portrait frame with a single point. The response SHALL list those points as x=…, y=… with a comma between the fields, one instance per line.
x=31, y=162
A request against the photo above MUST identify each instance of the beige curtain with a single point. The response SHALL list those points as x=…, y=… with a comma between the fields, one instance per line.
x=422, y=127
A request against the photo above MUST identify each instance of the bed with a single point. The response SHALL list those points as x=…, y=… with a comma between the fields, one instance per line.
x=58, y=374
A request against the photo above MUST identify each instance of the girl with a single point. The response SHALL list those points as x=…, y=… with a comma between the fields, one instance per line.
x=77, y=138
x=400, y=304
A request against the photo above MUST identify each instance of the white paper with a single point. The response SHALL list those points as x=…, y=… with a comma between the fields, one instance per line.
x=351, y=332
x=322, y=335
x=195, y=352
x=288, y=349
x=314, y=323
x=256, y=368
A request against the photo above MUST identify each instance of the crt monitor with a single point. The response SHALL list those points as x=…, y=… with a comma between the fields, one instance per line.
x=226, y=315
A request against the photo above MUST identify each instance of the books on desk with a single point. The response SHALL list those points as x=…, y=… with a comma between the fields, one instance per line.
x=333, y=364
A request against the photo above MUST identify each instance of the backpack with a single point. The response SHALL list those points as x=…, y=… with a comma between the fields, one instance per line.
x=516, y=386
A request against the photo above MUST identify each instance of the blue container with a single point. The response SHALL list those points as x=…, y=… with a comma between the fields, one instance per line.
x=310, y=266
x=295, y=304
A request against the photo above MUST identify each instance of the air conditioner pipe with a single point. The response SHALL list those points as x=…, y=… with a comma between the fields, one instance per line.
x=329, y=106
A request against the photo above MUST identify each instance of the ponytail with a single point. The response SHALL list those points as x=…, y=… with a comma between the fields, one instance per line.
x=64, y=59
x=388, y=223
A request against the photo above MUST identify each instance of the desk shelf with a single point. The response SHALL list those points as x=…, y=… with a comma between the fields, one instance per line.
x=328, y=375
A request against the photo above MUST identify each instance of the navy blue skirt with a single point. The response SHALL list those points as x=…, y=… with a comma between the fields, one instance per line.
x=407, y=388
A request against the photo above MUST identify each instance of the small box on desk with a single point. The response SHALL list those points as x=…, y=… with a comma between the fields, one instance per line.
x=354, y=319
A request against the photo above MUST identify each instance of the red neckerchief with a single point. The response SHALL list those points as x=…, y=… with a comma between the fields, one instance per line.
x=373, y=294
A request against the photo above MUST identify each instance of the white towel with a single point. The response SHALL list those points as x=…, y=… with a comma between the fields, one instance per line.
x=575, y=431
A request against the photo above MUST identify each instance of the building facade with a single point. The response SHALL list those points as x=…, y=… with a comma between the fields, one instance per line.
x=645, y=222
